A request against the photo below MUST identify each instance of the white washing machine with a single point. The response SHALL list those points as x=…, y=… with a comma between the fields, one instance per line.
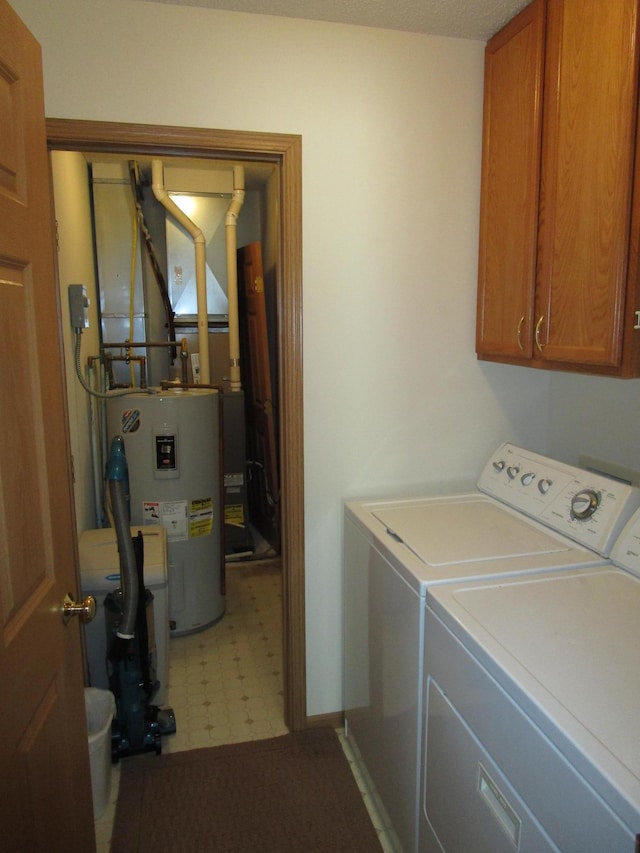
x=530, y=514
x=100, y=575
x=532, y=693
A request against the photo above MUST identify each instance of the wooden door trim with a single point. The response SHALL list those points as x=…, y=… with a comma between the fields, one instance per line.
x=285, y=151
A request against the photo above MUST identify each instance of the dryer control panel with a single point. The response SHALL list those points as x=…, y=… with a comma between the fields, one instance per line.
x=589, y=508
x=626, y=552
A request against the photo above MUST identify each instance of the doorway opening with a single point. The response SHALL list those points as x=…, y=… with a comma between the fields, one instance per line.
x=284, y=152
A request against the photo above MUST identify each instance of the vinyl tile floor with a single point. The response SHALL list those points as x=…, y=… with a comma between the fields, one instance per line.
x=225, y=683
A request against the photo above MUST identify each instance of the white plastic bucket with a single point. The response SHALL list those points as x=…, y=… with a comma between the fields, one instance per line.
x=100, y=706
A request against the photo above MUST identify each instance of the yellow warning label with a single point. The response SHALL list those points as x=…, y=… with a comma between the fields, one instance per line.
x=234, y=515
x=200, y=517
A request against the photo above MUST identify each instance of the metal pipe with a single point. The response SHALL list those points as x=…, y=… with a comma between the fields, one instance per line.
x=184, y=360
x=141, y=359
x=231, y=233
x=96, y=461
x=137, y=344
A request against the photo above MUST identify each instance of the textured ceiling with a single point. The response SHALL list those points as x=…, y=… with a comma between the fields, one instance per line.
x=469, y=19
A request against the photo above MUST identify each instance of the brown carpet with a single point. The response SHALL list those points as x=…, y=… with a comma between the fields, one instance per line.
x=291, y=793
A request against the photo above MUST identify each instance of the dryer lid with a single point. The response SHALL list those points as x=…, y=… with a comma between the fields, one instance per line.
x=569, y=642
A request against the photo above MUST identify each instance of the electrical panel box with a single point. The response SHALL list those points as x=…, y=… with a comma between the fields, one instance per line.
x=78, y=306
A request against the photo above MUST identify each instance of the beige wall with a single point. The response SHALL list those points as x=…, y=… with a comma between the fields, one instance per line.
x=390, y=125
x=76, y=266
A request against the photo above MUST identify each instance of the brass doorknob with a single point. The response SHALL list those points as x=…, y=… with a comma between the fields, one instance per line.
x=86, y=609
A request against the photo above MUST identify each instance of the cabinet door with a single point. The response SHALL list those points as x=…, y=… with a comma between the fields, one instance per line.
x=510, y=186
x=587, y=177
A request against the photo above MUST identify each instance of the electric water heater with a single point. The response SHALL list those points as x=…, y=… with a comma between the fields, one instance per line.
x=172, y=442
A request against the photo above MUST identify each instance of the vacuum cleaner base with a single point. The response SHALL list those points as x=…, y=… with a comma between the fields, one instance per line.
x=158, y=722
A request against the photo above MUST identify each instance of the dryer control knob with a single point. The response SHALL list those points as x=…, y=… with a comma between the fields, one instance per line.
x=527, y=479
x=544, y=485
x=513, y=471
x=584, y=504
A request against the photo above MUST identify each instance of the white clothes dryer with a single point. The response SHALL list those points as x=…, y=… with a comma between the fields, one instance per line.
x=532, y=691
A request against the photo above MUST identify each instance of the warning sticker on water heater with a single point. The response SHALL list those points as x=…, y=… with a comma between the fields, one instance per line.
x=201, y=517
x=172, y=515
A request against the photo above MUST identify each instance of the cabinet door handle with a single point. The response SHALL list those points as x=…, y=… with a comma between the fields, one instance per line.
x=538, y=324
x=520, y=347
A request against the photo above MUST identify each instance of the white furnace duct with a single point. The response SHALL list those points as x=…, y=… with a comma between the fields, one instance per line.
x=172, y=443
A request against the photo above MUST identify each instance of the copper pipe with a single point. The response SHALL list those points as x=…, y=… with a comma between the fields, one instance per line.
x=138, y=344
x=141, y=359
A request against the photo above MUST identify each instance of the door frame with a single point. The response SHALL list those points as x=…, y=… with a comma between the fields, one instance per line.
x=285, y=152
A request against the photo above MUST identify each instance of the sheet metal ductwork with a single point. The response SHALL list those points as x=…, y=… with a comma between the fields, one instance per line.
x=159, y=191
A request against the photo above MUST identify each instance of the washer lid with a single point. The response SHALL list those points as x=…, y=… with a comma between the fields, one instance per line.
x=444, y=533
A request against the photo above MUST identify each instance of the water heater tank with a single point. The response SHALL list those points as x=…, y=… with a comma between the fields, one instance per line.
x=172, y=442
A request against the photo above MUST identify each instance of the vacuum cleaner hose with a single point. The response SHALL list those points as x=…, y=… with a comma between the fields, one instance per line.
x=128, y=574
x=117, y=476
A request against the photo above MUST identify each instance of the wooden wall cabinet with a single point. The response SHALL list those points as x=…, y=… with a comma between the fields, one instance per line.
x=560, y=200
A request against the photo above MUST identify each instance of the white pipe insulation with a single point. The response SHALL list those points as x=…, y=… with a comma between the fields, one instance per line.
x=157, y=184
x=231, y=233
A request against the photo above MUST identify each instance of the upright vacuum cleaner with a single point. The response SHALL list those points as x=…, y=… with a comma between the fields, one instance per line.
x=138, y=725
